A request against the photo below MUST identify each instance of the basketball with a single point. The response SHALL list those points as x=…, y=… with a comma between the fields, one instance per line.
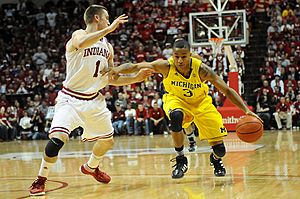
x=249, y=129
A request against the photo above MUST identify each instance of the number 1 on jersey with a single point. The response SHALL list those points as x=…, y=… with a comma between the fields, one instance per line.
x=97, y=69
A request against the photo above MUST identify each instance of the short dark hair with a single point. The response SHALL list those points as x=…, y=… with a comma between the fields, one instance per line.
x=91, y=11
x=181, y=43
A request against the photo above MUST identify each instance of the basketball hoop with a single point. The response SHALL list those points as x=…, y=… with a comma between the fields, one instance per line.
x=216, y=44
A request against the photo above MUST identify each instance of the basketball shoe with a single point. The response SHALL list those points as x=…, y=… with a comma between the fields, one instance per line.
x=181, y=166
x=218, y=165
x=193, y=146
x=38, y=186
x=100, y=176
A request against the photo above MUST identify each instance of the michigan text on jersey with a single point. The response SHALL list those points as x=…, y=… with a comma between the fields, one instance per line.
x=186, y=84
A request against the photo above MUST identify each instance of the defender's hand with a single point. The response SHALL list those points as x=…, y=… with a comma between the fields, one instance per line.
x=120, y=20
x=112, y=73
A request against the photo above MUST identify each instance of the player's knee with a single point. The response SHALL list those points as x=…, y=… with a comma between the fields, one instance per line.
x=219, y=150
x=106, y=143
x=176, y=118
x=110, y=142
x=59, y=135
x=53, y=147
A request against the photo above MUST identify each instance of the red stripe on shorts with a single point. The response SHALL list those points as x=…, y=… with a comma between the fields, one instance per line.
x=80, y=98
x=77, y=93
x=59, y=130
x=105, y=136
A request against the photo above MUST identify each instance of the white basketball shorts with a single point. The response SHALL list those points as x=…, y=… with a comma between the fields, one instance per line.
x=91, y=115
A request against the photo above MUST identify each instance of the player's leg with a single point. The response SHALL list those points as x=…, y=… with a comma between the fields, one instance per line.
x=176, y=119
x=211, y=127
x=98, y=128
x=216, y=156
x=64, y=120
x=189, y=131
x=92, y=166
x=54, y=145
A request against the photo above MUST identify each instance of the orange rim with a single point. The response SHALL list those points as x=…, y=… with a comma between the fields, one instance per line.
x=216, y=40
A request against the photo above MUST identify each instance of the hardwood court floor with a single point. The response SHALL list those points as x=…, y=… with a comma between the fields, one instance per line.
x=140, y=168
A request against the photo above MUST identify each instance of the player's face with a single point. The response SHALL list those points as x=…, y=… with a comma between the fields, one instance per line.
x=103, y=20
x=181, y=57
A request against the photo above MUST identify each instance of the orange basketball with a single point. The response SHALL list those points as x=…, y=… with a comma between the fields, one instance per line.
x=249, y=129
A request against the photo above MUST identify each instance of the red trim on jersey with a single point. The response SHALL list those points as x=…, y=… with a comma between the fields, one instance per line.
x=105, y=136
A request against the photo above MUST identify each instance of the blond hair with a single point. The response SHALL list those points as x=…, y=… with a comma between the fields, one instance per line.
x=91, y=11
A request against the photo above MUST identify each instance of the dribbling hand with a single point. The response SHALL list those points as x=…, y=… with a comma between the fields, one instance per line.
x=254, y=115
x=120, y=20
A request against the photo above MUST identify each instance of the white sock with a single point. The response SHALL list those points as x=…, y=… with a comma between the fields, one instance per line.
x=191, y=137
x=45, y=168
x=179, y=151
x=93, y=161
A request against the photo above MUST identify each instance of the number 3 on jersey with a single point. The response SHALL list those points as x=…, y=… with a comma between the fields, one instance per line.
x=188, y=92
x=96, y=73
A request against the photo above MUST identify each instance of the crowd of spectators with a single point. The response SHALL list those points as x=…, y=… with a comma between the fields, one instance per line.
x=278, y=96
x=32, y=62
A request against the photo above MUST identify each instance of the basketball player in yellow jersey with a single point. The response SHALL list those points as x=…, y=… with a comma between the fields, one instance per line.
x=186, y=101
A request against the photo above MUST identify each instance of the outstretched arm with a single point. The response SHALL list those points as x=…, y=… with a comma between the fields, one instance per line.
x=206, y=73
x=82, y=39
x=158, y=66
x=126, y=80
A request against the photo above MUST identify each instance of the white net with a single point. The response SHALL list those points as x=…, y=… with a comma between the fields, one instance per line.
x=216, y=44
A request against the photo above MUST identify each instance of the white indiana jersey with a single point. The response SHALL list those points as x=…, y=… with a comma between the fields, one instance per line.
x=84, y=67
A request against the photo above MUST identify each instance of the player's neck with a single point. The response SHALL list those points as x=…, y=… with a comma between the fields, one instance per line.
x=186, y=72
x=91, y=28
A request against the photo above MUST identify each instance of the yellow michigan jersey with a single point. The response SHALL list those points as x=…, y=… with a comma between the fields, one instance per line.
x=191, y=95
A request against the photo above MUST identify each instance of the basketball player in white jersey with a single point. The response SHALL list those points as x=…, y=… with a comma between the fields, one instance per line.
x=89, y=56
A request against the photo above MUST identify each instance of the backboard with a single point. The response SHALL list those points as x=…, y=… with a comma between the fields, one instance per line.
x=228, y=24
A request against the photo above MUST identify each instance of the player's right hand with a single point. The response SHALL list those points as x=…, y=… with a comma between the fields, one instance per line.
x=254, y=115
x=120, y=20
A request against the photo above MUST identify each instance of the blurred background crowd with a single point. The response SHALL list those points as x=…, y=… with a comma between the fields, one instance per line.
x=32, y=62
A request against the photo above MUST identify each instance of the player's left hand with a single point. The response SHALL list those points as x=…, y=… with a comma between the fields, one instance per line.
x=254, y=115
x=143, y=74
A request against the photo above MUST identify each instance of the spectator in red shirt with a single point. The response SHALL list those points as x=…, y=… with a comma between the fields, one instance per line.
x=141, y=123
x=283, y=112
x=146, y=33
x=140, y=55
x=157, y=122
x=290, y=82
x=266, y=86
